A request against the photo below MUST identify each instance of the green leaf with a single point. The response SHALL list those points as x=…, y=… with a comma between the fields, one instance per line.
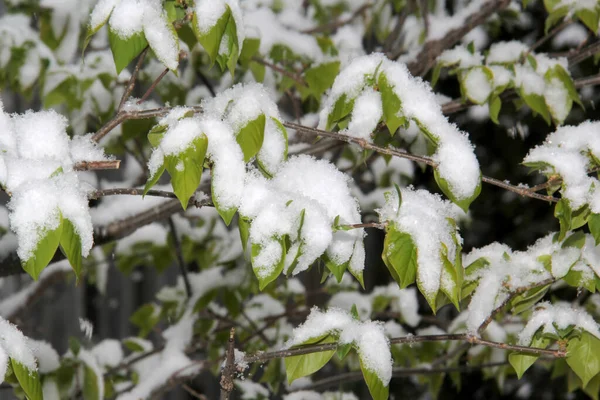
x=341, y=109
x=562, y=211
x=589, y=18
x=154, y=178
x=336, y=269
x=522, y=361
x=462, y=203
x=453, y=285
x=156, y=134
x=584, y=356
x=307, y=364
x=133, y=346
x=576, y=240
x=343, y=350
x=378, y=390
x=537, y=103
x=249, y=50
x=495, y=105
x=566, y=79
x=145, y=318
x=29, y=380
x=70, y=243
x=554, y=17
x=228, y=57
x=273, y=270
x=44, y=252
x=125, y=50
x=91, y=391
x=321, y=77
x=525, y=301
x=594, y=226
x=211, y=40
x=392, y=105
x=592, y=389
x=250, y=137
x=400, y=256
x=283, y=132
x=186, y=169
x=91, y=31
x=244, y=227
x=225, y=213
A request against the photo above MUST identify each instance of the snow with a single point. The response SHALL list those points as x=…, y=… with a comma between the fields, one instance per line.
x=528, y=80
x=506, y=52
x=460, y=57
x=570, y=36
x=161, y=36
x=251, y=390
x=424, y=216
x=418, y=104
x=101, y=13
x=546, y=316
x=265, y=24
x=507, y=271
x=108, y=353
x=15, y=345
x=47, y=358
x=564, y=151
x=368, y=110
x=477, y=85
x=368, y=337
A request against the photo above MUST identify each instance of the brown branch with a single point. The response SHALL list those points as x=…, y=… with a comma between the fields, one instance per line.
x=333, y=25
x=134, y=75
x=433, y=48
x=140, y=192
x=523, y=191
x=123, y=116
x=180, y=260
x=356, y=376
x=227, y=375
x=375, y=225
x=581, y=54
x=97, y=165
x=153, y=86
x=317, y=348
x=296, y=78
x=547, y=37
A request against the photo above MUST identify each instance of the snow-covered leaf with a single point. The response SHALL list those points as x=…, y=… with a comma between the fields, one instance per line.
x=391, y=105
x=43, y=252
x=186, y=169
x=378, y=390
x=594, y=227
x=321, y=77
x=268, y=261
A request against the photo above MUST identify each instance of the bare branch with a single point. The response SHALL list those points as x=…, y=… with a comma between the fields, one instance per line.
x=296, y=78
x=333, y=25
x=228, y=372
x=97, y=165
x=134, y=75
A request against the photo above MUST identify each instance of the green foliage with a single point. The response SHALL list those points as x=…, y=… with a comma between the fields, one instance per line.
x=307, y=364
x=273, y=270
x=251, y=136
x=186, y=169
x=28, y=380
x=522, y=361
x=377, y=389
x=125, y=50
x=584, y=356
x=400, y=256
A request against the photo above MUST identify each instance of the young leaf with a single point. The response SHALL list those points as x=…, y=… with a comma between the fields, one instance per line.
x=244, y=227
x=400, y=256
x=70, y=243
x=125, y=50
x=225, y=213
x=391, y=105
x=250, y=137
x=28, y=380
x=594, y=226
x=186, y=169
x=249, y=50
x=341, y=109
x=154, y=178
x=378, y=390
x=321, y=77
x=495, y=105
x=91, y=391
x=306, y=364
x=343, y=350
x=462, y=203
x=589, y=18
x=522, y=361
x=274, y=270
x=537, y=103
x=336, y=269
x=211, y=40
x=43, y=253
x=562, y=211
x=584, y=356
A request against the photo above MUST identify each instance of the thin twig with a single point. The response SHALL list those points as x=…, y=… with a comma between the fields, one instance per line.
x=97, y=165
x=153, y=86
x=229, y=369
x=296, y=78
x=192, y=392
x=180, y=260
x=135, y=114
x=333, y=25
x=375, y=225
x=547, y=37
x=134, y=75
x=523, y=191
x=140, y=192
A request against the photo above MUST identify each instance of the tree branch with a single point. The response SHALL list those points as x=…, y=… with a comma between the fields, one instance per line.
x=433, y=48
x=97, y=165
x=132, y=80
x=228, y=372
